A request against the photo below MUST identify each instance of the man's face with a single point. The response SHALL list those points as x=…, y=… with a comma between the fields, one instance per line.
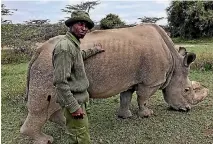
x=80, y=29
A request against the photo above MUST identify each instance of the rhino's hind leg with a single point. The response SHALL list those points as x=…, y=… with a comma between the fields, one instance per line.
x=125, y=100
x=58, y=117
x=143, y=94
x=33, y=125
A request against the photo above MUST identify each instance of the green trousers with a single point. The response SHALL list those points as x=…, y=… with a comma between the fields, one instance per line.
x=78, y=129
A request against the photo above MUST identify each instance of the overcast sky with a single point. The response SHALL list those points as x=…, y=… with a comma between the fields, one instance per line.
x=129, y=11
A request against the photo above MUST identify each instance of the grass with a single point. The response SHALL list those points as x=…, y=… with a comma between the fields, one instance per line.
x=164, y=127
x=199, y=48
x=12, y=97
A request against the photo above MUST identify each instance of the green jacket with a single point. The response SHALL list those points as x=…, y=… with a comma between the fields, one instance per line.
x=69, y=75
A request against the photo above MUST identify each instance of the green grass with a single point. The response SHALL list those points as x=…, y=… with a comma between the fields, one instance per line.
x=199, y=48
x=165, y=127
x=13, y=106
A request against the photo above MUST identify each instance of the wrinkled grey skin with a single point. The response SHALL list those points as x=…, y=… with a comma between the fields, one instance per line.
x=141, y=59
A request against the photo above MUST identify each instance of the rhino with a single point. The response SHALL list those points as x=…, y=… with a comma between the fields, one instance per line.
x=140, y=58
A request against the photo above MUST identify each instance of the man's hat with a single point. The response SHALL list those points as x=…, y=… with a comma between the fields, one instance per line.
x=77, y=16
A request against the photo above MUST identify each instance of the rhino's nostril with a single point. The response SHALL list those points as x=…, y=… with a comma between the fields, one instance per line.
x=188, y=108
x=185, y=109
x=182, y=109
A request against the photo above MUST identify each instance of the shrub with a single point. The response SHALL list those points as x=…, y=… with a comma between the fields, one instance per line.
x=19, y=40
x=111, y=21
x=9, y=56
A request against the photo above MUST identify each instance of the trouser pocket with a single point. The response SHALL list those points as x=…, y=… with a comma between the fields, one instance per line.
x=77, y=129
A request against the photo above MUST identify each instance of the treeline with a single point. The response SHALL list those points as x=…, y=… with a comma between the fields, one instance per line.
x=186, y=19
x=190, y=19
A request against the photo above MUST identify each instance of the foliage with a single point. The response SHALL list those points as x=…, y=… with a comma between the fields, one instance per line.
x=111, y=21
x=150, y=19
x=84, y=6
x=21, y=39
x=13, y=35
x=10, y=56
x=191, y=19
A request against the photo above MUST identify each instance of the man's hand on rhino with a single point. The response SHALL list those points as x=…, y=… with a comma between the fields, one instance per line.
x=79, y=114
x=99, y=47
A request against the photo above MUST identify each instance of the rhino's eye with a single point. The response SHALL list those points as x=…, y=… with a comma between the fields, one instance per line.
x=186, y=90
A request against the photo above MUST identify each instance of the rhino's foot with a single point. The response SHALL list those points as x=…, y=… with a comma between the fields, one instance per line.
x=32, y=127
x=43, y=139
x=124, y=114
x=145, y=113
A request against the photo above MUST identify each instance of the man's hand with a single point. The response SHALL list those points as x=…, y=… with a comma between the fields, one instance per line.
x=99, y=47
x=79, y=114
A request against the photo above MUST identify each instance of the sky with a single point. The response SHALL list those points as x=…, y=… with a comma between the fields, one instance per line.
x=128, y=11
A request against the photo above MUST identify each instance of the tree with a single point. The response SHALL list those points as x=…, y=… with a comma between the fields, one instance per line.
x=5, y=12
x=111, y=21
x=84, y=6
x=190, y=19
x=150, y=19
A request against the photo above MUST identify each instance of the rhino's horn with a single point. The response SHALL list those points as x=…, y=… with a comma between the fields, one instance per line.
x=200, y=93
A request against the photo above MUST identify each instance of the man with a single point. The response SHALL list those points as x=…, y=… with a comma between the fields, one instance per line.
x=69, y=76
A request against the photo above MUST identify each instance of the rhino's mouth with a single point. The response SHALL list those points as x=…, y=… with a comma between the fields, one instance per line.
x=181, y=109
x=200, y=93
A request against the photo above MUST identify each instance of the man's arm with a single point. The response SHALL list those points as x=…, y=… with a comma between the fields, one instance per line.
x=93, y=51
x=62, y=61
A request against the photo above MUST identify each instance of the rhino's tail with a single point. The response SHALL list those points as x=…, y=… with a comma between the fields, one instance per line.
x=34, y=57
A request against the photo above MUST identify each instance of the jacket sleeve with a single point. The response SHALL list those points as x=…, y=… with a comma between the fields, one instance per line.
x=62, y=62
x=89, y=52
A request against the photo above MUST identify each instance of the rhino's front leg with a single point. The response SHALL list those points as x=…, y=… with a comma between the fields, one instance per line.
x=143, y=93
x=125, y=100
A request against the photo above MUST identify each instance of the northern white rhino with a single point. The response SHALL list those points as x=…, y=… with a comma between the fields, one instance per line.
x=140, y=58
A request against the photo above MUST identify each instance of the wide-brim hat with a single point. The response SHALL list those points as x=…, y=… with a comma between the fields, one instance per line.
x=77, y=16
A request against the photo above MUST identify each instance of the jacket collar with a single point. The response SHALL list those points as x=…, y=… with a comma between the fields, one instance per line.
x=72, y=38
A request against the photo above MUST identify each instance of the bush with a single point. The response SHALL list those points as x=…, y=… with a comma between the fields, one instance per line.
x=19, y=40
x=13, y=35
x=111, y=21
x=10, y=56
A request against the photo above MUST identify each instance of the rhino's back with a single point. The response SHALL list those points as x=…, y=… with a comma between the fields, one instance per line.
x=132, y=55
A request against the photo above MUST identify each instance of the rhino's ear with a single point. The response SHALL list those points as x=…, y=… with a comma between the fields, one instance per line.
x=182, y=51
x=189, y=58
